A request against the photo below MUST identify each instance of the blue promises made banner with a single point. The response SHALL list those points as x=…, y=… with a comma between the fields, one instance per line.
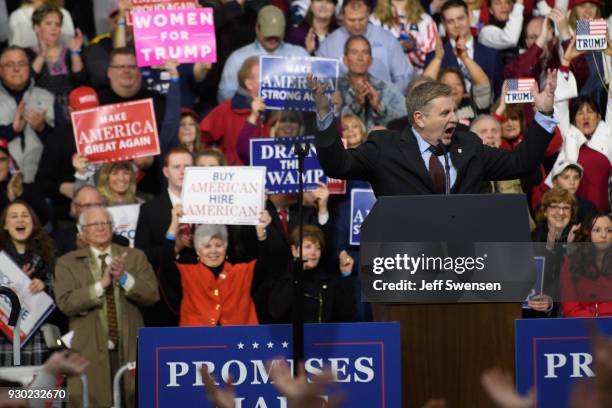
x=363, y=357
x=554, y=354
x=278, y=157
x=282, y=81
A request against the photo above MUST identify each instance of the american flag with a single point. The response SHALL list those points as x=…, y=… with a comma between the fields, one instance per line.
x=591, y=27
x=519, y=85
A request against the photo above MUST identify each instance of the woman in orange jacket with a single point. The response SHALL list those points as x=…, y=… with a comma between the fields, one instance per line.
x=215, y=292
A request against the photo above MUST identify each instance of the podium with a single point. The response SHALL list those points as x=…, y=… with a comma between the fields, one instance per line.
x=445, y=347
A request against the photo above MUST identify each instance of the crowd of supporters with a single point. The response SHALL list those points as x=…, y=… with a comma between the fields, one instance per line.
x=207, y=113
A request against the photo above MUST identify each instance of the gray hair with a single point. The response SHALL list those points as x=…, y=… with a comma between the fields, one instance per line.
x=206, y=232
x=483, y=117
x=84, y=214
x=420, y=96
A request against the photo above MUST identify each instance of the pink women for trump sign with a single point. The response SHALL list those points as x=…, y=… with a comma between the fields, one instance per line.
x=185, y=35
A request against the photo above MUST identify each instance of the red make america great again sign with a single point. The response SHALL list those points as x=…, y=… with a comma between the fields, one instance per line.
x=121, y=131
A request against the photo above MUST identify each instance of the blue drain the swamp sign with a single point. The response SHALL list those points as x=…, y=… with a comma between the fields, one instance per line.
x=363, y=357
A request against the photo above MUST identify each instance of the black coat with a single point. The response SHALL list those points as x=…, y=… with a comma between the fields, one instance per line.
x=153, y=222
x=55, y=168
x=328, y=297
x=278, y=255
x=392, y=163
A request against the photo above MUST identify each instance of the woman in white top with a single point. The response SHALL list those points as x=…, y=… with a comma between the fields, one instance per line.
x=505, y=24
x=21, y=33
x=409, y=23
x=587, y=139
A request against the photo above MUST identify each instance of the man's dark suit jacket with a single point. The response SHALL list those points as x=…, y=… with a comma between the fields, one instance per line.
x=153, y=222
x=488, y=59
x=392, y=163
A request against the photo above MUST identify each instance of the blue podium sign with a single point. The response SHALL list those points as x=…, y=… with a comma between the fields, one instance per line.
x=363, y=357
x=552, y=355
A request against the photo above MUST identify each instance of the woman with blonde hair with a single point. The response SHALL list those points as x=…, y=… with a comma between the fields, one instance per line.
x=409, y=23
x=117, y=183
x=353, y=130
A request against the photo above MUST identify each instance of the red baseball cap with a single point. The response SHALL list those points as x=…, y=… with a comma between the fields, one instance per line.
x=83, y=97
x=189, y=112
x=574, y=3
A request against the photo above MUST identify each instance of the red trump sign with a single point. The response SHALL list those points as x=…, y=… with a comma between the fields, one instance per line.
x=121, y=131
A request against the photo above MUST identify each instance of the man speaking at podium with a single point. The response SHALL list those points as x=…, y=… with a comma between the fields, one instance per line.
x=413, y=161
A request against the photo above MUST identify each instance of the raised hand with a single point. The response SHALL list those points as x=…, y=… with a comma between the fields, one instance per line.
x=500, y=388
x=540, y=303
x=171, y=66
x=318, y=90
x=373, y=97
x=76, y=42
x=545, y=35
x=36, y=285
x=79, y=163
x=116, y=267
x=544, y=100
x=14, y=189
x=321, y=196
x=107, y=278
x=27, y=269
x=66, y=363
x=311, y=41
x=124, y=6
x=221, y=398
x=571, y=52
x=299, y=391
x=560, y=21
x=336, y=99
x=19, y=122
x=173, y=228
x=35, y=118
x=346, y=262
x=461, y=47
x=264, y=220
x=257, y=107
x=572, y=234
x=439, y=50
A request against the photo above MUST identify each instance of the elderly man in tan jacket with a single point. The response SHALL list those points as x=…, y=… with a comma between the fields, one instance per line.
x=100, y=288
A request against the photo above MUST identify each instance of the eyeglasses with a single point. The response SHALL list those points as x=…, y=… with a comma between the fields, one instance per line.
x=13, y=65
x=100, y=224
x=128, y=67
x=560, y=208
